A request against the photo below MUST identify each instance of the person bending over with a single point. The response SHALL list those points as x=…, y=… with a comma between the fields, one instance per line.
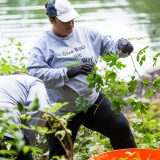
x=22, y=88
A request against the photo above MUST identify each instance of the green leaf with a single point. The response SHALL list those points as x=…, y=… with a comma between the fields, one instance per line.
x=111, y=59
x=19, y=49
x=18, y=44
x=110, y=75
x=120, y=65
x=9, y=152
x=26, y=149
x=57, y=106
x=117, y=104
x=143, y=50
x=142, y=106
x=72, y=64
x=150, y=93
x=81, y=104
x=35, y=105
x=122, y=89
x=95, y=80
x=21, y=108
x=142, y=60
x=155, y=58
x=11, y=39
x=156, y=83
x=132, y=85
x=23, y=116
x=132, y=101
x=140, y=55
x=145, y=82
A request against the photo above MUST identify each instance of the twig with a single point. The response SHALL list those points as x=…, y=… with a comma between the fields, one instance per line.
x=136, y=68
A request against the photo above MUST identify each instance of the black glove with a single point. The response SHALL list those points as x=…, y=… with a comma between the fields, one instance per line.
x=125, y=46
x=81, y=69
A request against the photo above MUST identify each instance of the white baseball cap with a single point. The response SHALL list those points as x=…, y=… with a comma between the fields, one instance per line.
x=62, y=9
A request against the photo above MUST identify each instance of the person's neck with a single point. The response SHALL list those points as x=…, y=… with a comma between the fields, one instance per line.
x=58, y=34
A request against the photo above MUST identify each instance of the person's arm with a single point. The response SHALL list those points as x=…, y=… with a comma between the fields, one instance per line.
x=107, y=44
x=53, y=77
x=37, y=90
x=38, y=67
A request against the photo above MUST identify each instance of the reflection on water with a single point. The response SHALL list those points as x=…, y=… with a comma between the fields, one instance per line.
x=26, y=19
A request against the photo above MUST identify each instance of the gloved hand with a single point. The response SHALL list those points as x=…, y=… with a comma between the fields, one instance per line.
x=80, y=69
x=125, y=46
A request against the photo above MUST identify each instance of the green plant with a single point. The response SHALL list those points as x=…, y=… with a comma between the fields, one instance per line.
x=57, y=126
x=144, y=117
x=13, y=57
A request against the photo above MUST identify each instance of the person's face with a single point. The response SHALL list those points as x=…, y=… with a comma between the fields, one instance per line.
x=62, y=29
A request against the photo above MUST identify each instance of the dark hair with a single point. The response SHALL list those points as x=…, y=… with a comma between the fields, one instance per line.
x=46, y=5
x=51, y=18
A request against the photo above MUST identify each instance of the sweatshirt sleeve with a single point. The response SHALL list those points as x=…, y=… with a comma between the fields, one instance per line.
x=38, y=67
x=38, y=90
x=105, y=43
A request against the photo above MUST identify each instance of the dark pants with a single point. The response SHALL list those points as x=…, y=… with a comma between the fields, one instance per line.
x=103, y=120
x=20, y=155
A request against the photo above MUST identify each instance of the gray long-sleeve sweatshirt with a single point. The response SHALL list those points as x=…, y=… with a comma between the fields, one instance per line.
x=51, y=54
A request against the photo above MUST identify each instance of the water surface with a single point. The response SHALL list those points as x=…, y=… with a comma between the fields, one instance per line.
x=26, y=20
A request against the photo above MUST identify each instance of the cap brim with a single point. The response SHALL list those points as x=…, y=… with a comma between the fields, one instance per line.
x=68, y=16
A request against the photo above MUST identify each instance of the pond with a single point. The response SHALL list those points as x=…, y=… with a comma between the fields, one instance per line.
x=136, y=19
